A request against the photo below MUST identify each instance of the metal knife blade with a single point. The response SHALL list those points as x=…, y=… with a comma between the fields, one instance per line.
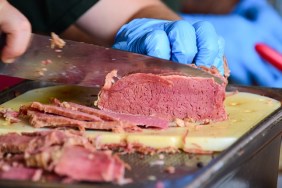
x=86, y=64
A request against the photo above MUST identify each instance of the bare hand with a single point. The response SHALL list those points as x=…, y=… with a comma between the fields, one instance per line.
x=17, y=29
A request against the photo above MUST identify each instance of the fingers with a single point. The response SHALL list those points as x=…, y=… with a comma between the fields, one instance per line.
x=207, y=43
x=153, y=43
x=178, y=41
x=156, y=44
x=182, y=39
x=144, y=36
x=218, y=61
x=17, y=30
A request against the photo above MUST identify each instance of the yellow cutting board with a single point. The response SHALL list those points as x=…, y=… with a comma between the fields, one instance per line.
x=245, y=110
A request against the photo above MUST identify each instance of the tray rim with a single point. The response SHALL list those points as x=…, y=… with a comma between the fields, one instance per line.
x=202, y=176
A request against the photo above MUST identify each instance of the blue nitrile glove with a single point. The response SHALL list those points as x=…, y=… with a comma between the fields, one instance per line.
x=178, y=41
x=251, y=22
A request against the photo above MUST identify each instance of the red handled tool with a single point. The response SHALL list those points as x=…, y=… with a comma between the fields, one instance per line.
x=270, y=55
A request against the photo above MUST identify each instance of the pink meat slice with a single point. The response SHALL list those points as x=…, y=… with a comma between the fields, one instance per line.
x=165, y=96
x=14, y=143
x=21, y=173
x=35, y=142
x=63, y=112
x=38, y=120
x=89, y=166
x=65, y=154
x=45, y=139
x=9, y=115
x=148, y=121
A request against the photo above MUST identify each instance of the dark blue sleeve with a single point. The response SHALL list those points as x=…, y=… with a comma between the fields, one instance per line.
x=52, y=15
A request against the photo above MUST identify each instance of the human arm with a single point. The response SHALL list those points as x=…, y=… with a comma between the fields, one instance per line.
x=17, y=30
x=160, y=34
x=102, y=21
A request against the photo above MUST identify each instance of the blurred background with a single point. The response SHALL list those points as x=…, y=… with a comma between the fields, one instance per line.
x=176, y=4
x=244, y=24
x=278, y=5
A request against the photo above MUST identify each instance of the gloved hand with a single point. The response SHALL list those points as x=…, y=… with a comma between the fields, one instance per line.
x=178, y=41
x=251, y=22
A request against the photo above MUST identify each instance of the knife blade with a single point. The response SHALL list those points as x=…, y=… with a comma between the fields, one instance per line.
x=85, y=64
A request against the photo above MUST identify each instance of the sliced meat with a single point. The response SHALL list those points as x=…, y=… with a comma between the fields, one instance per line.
x=14, y=143
x=44, y=159
x=9, y=115
x=66, y=154
x=89, y=166
x=68, y=114
x=38, y=120
x=20, y=173
x=46, y=139
x=12, y=166
x=82, y=108
x=165, y=96
x=38, y=141
x=56, y=41
x=148, y=121
x=63, y=112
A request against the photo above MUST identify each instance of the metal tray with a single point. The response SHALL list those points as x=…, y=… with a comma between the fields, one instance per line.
x=250, y=162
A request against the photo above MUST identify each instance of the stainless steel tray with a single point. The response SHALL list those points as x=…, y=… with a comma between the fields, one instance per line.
x=250, y=162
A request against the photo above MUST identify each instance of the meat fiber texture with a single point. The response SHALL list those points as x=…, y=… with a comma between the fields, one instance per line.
x=72, y=115
x=64, y=155
x=167, y=96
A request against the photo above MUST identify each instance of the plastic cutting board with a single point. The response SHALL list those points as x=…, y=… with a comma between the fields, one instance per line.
x=245, y=110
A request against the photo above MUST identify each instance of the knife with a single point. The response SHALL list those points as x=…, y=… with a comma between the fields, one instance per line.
x=85, y=64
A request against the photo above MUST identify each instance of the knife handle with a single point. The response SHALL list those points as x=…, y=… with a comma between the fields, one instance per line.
x=270, y=55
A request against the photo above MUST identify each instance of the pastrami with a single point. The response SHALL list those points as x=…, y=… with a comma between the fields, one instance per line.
x=89, y=166
x=9, y=115
x=39, y=120
x=147, y=121
x=21, y=173
x=165, y=96
x=66, y=154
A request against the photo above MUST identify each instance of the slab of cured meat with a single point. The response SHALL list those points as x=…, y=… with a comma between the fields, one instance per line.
x=167, y=96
